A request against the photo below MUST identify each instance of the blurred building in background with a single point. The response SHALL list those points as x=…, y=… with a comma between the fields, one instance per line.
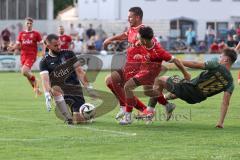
x=20, y=9
x=175, y=16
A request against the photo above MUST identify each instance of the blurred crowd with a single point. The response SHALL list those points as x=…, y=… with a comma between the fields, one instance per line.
x=90, y=40
x=212, y=42
x=84, y=40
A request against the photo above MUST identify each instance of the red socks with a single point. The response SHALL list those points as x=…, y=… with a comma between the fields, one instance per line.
x=162, y=100
x=32, y=80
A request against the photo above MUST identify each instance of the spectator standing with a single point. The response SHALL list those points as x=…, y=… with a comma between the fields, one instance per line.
x=5, y=35
x=210, y=35
x=73, y=32
x=101, y=33
x=231, y=30
x=90, y=31
x=80, y=31
x=191, y=38
x=78, y=45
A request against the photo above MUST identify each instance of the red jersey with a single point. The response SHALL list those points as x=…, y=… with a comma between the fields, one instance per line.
x=154, y=56
x=65, y=41
x=133, y=49
x=28, y=41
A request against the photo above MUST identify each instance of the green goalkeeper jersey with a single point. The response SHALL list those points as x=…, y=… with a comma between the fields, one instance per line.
x=215, y=79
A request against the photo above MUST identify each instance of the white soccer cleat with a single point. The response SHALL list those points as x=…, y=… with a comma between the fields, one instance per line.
x=127, y=119
x=169, y=110
x=120, y=114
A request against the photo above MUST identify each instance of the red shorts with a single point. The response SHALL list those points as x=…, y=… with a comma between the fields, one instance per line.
x=129, y=70
x=28, y=59
x=146, y=77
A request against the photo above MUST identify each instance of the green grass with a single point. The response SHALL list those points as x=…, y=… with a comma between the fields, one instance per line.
x=29, y=132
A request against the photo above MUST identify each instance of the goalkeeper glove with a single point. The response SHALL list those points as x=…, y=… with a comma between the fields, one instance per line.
x=48, y=101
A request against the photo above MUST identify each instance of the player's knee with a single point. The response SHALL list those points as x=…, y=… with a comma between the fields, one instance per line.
x=24, y=72
x=56, y=91
x=149, y=93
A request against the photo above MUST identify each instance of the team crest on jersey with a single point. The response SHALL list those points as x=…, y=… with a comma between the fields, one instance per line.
x=31, y=35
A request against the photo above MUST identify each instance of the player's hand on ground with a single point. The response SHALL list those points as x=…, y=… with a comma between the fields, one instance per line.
x=48, y=101
x=187, y=76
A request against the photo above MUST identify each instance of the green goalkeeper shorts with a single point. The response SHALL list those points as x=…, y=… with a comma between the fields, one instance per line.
x=184, y=89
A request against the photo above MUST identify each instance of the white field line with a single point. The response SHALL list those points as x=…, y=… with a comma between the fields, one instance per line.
x=113, y=132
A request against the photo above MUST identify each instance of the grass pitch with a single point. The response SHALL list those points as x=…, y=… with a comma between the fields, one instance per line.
x=29, y=132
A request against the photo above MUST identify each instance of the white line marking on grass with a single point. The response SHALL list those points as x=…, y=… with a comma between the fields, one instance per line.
x=105, y=130
x=72, y=126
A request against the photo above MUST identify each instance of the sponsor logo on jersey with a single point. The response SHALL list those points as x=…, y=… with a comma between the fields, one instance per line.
x=61, y=73
x=28, y=41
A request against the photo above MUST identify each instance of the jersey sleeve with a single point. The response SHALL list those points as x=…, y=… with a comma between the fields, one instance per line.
x=163, y=54
x=43, y=66
x=211, y=65
x=230, y=89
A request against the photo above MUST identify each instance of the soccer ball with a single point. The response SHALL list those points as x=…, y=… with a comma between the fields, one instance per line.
x=88, y=111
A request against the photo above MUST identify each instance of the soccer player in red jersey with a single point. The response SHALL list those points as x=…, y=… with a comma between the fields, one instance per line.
x=151, y=64
x=65, y=40
x=117, y=78
x=27, y=42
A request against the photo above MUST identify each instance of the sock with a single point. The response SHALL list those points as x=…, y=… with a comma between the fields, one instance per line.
x=115, y=88
x=62, y=106
x=32, y=80
x=136, y=103
x=161, y=99
x=152, y=102
x=238, y=75
x=139, y=105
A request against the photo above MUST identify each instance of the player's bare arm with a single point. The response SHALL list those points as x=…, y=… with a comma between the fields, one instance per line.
x=224, y=108
x=238, y=47
x=119, y=37
x=179, y=64
x=194, y=64
x=45, y=81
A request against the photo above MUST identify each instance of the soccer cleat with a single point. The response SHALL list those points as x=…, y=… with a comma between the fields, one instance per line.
x=127, y=119
x=169, y=110
x=69, y=122
x=145, y=115
x=120, y=114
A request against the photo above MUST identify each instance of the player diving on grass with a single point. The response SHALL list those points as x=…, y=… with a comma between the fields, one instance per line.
x=60, y=72
x=215, y=78
x=151, y=57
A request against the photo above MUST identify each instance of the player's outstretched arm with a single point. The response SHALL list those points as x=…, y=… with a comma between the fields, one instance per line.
x=179, y=64
x=238, y=47
x=119, y=37
x=46, y=88
x=224, y=109
x=83, y=78
x=194, y=64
